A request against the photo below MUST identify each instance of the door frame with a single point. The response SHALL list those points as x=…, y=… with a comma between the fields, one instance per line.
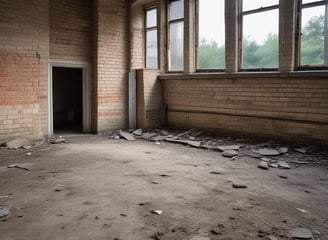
x=86, y=92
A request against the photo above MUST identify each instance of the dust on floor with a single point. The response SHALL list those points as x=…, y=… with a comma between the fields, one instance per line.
x=98, y=188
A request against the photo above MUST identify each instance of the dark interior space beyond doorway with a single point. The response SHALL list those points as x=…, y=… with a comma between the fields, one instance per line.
x=67, y=100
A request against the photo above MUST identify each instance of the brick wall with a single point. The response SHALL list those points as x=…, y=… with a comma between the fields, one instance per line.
x=71, y=23
x=149, y=99
x=24, y=53
x=287, y=109
x=111, y=65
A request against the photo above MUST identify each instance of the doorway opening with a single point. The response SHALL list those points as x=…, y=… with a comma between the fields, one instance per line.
x=67, y=92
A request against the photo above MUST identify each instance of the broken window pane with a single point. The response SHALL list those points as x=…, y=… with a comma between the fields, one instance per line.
x=176, y=46
x=152, y=58
x=211, y=35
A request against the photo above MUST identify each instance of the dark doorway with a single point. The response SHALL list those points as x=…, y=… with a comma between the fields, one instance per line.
x=67, y=100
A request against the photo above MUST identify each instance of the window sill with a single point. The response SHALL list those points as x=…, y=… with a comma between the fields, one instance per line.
x=222, y=75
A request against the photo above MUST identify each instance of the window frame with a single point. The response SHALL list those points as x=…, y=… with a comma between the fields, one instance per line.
x=146, y=29
x=201, y=70
x=168, y=50
x=298, y=37
x=240, y=35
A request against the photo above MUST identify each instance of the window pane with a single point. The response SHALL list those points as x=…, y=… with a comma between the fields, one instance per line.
x=211, y=50
x=255, y=4
x=176, y=9
x=152, y=52
x=151, y=18
x=313, y=38
x=308, y=1
x=260, y=40
x=176, y=46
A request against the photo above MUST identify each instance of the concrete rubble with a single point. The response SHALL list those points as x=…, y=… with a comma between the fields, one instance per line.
x=301, y=233
x=271, y=155
x=18, y=143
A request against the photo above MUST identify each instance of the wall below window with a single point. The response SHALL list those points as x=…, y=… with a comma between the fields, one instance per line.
x=291, y=109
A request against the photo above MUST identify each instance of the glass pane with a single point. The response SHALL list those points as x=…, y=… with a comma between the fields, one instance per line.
x=255, y=4
x=176, y=46
x=176, y=9
x=152, y=51
x=211, y=50
x=260, y=40
x=309, y=1
x=151, y=18
x=313, y=38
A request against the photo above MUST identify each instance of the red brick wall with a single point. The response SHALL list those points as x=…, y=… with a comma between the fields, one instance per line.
x=111, y=65
x=24, y=53
x=284, y=108
x=71, y=23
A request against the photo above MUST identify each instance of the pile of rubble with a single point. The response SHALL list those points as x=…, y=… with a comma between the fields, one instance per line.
x=269, y=154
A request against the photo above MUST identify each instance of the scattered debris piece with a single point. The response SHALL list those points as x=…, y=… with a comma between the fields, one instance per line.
x=265, y=159
x=229, y=147
x=263, y=165
x=187, y=142
x=154, y=182
x=164, y=175
x=301, y=233
x=273, y=164
x=157, y=212
x=148, y=136
x=123, y=215
x=282, y=176
x=301, y=150
x=164, y=132
x=58, y=190
x=18, y=166
x=238, y=185
x=4, y=210
x=127, y=136
x=117, y=137
x=138, y=132
x=215, y=172
x=299, y=162
x=283, y=150
x=229, y=153
x=283, y=165
x=27, y=147
x=17, y=143
x=157, y=143
x=29, y=154
x=57, y=140
x=301, y=210
x=159, y=138
x=271, y=237
x=268, y=152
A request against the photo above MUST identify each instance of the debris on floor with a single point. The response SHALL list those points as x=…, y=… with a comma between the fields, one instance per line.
x=57, y=140
x=4, y=210
x=17, y=143
x=301, y=233
x=157, y=212
x=19, y=166
x=127, y=136
x=275, y=155
x=238, y=185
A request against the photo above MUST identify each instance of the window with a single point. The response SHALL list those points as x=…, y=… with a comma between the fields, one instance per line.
x=151, y=38
x=313, y=37
x=259, y=33
x=176, y=30
x=211, y=34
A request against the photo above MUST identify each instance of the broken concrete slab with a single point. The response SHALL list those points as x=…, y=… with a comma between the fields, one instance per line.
x=164, y=132
x=268, y=152
x=264, y=165
x=159, y=138
x=271, y=237
x=229, y=147
x=138, y=132
x=273, y=164
x=4, y=210
x=127, y=136
x=148, y=136
x=301, y=233
x=196, y=144
x=283, y=150
x=229, y=153
x=265, y=159
x=17, y=143
x=283, y=165
x=301, y=150
x=19, y=166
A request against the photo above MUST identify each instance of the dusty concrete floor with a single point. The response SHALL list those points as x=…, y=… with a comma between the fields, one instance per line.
x=98, y=188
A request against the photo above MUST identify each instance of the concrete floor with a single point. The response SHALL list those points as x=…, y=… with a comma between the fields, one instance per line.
x=99, y=188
